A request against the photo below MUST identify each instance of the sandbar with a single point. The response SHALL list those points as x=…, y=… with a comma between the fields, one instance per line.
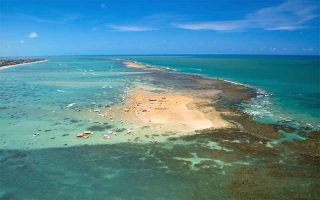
x=169, y=111
x=141, y=66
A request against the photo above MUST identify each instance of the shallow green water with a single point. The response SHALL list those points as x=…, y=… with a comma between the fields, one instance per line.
x=46, y=104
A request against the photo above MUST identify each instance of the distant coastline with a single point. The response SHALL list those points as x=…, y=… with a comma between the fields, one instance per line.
x=5, y=64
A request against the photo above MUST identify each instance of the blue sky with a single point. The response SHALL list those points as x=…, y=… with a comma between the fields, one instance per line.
x=83, y=27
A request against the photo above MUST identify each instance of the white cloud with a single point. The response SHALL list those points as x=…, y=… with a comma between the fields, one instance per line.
x=129, y=28
x=289, y=16
x=307, y=49
x=216, y=26
x=61, y=18
x=37, y=19
x=33, y=35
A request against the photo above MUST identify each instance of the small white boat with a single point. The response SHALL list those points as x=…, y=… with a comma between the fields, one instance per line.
x=106, y=137
x=36, y=134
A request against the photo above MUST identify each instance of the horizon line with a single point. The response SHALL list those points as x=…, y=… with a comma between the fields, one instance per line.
x=178, y=54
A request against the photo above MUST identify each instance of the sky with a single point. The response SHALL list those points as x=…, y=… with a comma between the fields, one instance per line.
x=108, y=27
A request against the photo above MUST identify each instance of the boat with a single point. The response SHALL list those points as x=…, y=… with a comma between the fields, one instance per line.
x=85, y=134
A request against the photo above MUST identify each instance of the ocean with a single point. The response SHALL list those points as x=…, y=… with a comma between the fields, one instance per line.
x=44, y=105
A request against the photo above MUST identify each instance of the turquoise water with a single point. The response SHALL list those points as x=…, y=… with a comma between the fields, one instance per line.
x=57, y=99
x=44, y=105
x=289, y=86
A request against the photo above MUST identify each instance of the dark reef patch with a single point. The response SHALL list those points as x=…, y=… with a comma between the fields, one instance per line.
x=119, y=130
x=101, y=127
x=74, y=121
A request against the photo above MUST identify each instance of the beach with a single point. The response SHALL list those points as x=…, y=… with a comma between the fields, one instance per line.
x=16, y=65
